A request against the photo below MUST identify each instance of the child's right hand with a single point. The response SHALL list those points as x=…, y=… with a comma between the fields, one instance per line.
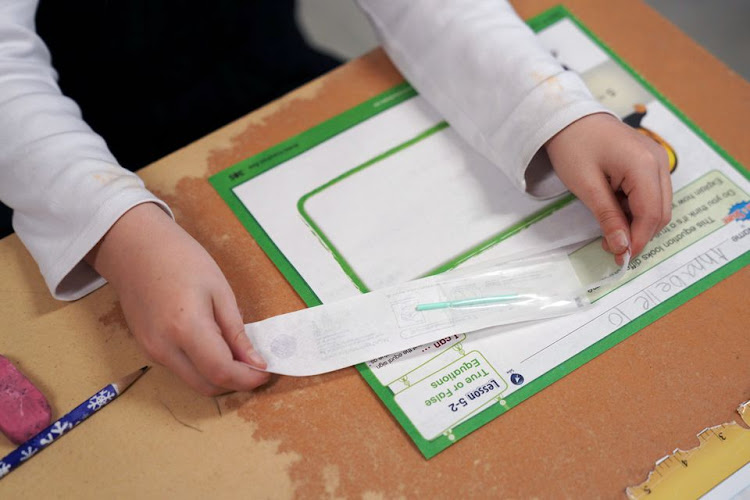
x=619, y=174
x=177, y=302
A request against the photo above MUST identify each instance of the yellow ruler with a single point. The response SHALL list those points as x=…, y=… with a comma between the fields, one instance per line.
x=723, y=450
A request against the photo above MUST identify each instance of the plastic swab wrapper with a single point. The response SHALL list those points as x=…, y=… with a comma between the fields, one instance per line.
x=361, y=328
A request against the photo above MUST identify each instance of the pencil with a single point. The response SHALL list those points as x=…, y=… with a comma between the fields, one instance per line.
x=80, y=413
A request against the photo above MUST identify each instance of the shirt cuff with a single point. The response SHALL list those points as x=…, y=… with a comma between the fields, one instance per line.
x=549, y=108
x=71, y=277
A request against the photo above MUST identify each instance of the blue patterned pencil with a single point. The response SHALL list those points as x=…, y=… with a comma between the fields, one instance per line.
x=67, y=422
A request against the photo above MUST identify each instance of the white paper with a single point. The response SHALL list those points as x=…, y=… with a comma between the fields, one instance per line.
x=702, y=238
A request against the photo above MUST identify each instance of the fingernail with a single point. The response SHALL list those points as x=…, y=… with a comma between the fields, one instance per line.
x=618, y=242
x=256, y=359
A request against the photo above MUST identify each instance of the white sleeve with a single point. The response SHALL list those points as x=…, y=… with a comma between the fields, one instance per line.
x=57, y=175
x=483, y=69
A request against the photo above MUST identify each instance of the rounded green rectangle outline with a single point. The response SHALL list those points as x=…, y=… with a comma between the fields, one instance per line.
x=451, y=263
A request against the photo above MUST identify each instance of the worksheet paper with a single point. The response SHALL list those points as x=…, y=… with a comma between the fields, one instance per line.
x=387, y=192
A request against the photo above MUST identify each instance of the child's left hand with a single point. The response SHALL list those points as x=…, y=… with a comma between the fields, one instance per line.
x=621, y=175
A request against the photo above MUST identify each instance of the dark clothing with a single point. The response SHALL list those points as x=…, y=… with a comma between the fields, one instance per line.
x=151, y=76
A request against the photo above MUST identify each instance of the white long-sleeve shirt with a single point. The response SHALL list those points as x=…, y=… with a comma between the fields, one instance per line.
x=475, y=61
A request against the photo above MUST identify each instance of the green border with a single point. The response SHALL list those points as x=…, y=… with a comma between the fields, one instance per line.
x=451, y=263
x=322, y=236
x=226, y=180
x=249, y=168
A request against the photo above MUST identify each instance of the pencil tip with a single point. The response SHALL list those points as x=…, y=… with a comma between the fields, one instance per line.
x=126, y=381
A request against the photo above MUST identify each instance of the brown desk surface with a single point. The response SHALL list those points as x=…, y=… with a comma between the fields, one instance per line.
x=592, y=434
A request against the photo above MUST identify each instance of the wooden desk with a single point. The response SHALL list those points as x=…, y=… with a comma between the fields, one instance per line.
x=589, y=435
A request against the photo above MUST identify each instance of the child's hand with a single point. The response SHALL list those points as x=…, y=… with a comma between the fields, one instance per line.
x=177, y=302
x=615, y=171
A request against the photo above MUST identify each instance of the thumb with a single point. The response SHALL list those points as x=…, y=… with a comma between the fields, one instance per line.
x=229, y=319
x=603, y=204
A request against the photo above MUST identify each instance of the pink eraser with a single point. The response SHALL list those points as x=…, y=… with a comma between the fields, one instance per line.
x=24, y=411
